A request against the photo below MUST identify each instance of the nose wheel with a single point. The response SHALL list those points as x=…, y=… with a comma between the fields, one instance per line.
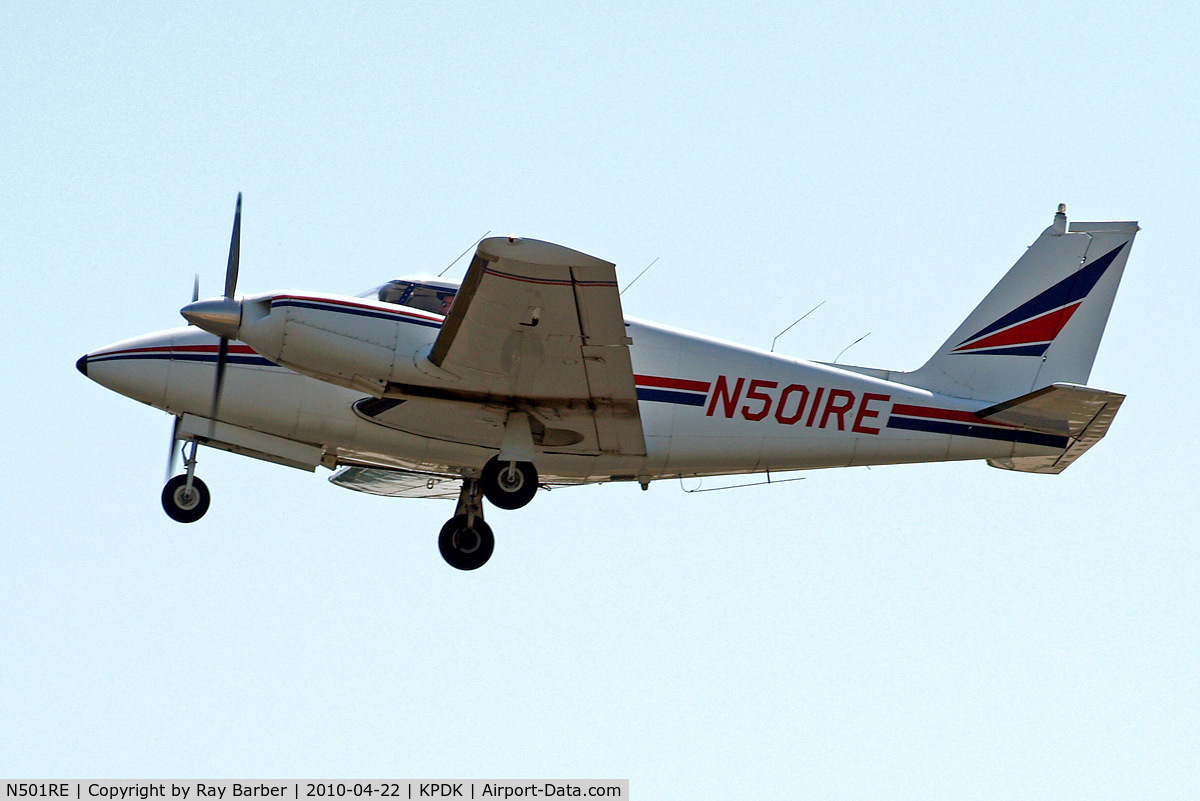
x=184, y=503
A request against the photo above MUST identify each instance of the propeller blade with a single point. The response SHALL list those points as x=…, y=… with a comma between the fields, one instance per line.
x=174, y=447
x=231, y=276
x=222, y=357
x=235, y=247
x=196, y=288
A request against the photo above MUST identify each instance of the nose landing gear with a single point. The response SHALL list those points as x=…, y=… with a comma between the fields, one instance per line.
x=185, y=504
x=185, y=498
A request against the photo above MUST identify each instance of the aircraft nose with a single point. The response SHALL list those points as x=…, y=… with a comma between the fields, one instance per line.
x=138, y=368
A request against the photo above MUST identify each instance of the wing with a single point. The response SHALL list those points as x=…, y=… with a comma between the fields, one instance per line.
x=396, y=483
x=540, y=326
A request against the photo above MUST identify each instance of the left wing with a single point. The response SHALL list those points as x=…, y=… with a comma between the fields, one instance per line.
x=539, y=326
x=396, y=483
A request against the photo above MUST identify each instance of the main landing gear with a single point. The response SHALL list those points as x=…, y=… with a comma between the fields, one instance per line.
x=185, y=498
x=466, y=542
x=509, y=485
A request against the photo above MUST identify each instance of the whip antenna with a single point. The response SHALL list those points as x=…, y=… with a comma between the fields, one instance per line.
x=639, y=275
x=789, y=328
x=465, y=252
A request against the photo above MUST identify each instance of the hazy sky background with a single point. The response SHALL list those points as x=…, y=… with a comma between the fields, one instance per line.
x=939, y=631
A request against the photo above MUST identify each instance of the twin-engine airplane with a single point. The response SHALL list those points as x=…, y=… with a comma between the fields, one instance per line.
x=528, y=375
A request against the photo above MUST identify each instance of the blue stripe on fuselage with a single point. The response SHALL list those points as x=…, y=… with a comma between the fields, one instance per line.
x=979, y=432
x=667, y=396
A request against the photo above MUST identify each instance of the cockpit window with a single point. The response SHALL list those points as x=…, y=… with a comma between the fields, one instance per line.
x=430, y=299
x=426, y=297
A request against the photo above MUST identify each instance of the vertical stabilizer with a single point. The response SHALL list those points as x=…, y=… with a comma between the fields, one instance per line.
x=1042, y=323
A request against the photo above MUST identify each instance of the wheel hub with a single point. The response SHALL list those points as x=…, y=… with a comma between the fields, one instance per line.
x=511, y=479
x=186, y=498
x=467, y=541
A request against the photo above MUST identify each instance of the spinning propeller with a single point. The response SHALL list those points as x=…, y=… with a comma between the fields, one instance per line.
x=221, y=316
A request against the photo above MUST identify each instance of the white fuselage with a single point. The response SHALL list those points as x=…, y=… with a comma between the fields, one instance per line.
x=707, y=407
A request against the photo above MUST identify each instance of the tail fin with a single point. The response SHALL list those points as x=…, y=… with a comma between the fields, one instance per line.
x=1042, y=323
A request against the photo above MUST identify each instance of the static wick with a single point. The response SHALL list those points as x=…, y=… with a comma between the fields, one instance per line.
x=639, y=275
x=789, y=328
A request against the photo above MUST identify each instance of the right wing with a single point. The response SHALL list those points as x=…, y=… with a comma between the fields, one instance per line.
x=538, y=326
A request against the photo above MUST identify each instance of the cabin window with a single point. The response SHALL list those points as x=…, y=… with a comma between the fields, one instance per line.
x=435, y=299
x=430, y=299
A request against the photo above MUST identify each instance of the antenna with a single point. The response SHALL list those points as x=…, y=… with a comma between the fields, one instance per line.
x=639, y=275
x=789, y=328
x=465, y=252
x=851, y=345
x=701, y=488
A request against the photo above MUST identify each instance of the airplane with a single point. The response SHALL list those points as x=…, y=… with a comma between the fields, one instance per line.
x=528, y=375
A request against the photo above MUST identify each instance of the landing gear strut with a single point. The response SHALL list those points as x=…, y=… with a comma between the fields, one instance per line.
x=185, y=498
x=466, y=542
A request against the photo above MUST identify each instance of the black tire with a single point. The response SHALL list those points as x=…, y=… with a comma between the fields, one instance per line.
x=179, y=506
x=466, y=548
x=508, y=485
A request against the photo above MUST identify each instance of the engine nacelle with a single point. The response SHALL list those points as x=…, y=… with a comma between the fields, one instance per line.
x=353, y=342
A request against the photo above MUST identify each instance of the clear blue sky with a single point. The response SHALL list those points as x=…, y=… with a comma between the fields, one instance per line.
x=942, y=631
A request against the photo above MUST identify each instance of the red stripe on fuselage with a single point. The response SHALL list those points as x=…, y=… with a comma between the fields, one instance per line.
x=246, y=349
x=239, y=349
x=934, y=413
x=671, y=383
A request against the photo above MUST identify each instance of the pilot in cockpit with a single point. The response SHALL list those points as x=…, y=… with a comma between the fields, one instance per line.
x=430, y=297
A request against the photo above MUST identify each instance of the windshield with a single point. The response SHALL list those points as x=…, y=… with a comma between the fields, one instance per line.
x=426, y=297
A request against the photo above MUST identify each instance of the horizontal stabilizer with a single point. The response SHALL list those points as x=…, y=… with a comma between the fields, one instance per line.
x=1080, y=413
